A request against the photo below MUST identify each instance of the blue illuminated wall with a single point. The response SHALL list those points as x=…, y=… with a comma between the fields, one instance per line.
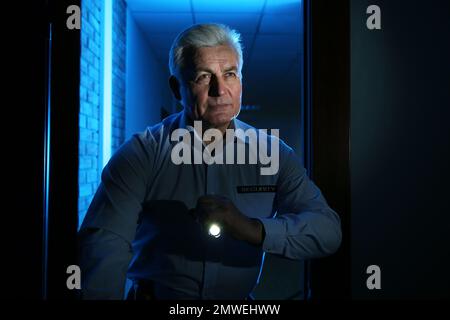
x=102, y=91
x=119, y=41
x=147, y=82
x=90, y=102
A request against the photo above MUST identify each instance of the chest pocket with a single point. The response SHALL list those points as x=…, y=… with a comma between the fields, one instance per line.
x=256, y=201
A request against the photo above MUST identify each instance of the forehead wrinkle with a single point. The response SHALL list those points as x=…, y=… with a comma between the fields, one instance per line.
x=210, y=65
x=219, y=55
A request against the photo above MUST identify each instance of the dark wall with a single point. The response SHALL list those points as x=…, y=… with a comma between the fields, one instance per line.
x=328, y=95
x=64, y=139
x=22, y=148
x=26, y=98
x=400, y=141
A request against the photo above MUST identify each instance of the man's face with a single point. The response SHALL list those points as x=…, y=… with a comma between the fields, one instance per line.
x=211, y=88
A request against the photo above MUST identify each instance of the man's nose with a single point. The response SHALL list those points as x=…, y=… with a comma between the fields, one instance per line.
x=217, y=88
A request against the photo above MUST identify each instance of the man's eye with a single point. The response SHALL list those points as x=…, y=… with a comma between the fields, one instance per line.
x=230, y=74
x=203, y=77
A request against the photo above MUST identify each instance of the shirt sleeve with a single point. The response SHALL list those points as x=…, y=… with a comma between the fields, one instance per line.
x=305, y=226
x=109, y=227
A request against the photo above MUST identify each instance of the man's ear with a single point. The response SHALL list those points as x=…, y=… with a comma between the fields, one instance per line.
x=175, y=87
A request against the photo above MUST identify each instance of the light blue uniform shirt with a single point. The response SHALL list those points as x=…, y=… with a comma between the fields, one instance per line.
x=138, y=225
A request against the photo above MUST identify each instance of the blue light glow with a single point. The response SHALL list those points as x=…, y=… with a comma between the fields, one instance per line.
x=46, y=178
x=228, y=6
x=107, y=81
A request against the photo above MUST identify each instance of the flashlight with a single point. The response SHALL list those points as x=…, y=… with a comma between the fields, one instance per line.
x=214, y=230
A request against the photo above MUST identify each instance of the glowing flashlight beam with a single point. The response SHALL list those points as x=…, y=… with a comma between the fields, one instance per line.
x=214, y=230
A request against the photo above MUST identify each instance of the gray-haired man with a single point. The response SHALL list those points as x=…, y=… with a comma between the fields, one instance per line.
x=147, y=220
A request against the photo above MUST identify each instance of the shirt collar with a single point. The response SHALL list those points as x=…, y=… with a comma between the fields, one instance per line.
x=186, y=123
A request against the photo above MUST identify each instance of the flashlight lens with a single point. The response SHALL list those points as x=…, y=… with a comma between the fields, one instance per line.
x=214, y=230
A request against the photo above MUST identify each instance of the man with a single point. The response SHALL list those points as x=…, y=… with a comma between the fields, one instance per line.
x=150, y=216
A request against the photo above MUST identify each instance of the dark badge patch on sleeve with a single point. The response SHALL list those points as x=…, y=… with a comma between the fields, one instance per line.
x=255, y=189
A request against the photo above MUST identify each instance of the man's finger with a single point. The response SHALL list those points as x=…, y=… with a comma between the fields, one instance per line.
x=208, y=204
x=207, y=199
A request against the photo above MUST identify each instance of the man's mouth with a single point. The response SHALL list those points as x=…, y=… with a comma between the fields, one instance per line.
x=222, y=105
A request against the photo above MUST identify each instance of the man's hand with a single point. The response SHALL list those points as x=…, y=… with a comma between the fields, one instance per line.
x=221, y=210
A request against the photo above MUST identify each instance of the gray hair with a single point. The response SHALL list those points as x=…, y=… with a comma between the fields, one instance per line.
x=202, y=35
